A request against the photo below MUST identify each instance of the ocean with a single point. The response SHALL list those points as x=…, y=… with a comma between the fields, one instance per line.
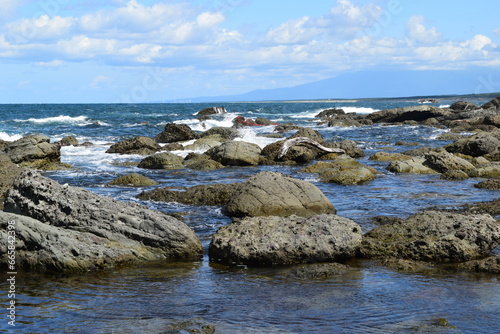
x=150, y=298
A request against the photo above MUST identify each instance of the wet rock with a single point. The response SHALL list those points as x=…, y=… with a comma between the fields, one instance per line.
x=493, y=104
x=175, y=132
x=222, y=132
x=214, y=194
x=384, y=156
x=350, y=147
x=274, y=194
x=421, y=151
x=414, y=165
x=343, y=122
x=491, y=171
x=134, y=180
x=344, y=170
x=318, y=270
x=309, y=133
x=204, y=144
x=36, y=151
x=443, y=162
x=137, y=145
x=434, y=236
x=69, y=141
x=237, y=153
x=8, y=173
x=133, y=231
x=273, y=240
x=405, y=265
x=286, y=127
x=454, y=175
x=490, y=207
x=476, y=145
x=492, y=120
x=212, y=111
x=493, y=184
x=490, y=264
x=330, y=113
x=165, y=160
x=463, y=105
x=202, y=162
x=297, y=154
x=412, y=113
x=190, y=326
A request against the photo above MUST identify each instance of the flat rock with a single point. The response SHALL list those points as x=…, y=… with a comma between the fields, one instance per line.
x=164, y=160
x=137, y=145
x=36, y=151
x=134, y=180
x=274, y=240
x=434, y=236
x=237, y=153
x=274, y=194
x=151, y=233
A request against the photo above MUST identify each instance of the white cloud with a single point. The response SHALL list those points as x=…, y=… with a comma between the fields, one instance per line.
x=100, y=81
x=418, y=32
x=53, y=63
x=41, y=29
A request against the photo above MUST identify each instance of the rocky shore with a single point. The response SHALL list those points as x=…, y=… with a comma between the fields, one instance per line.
x=276, y=219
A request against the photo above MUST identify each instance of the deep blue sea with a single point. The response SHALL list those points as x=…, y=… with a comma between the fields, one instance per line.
x=147, y=299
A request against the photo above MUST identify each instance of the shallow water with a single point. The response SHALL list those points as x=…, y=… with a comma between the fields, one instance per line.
x=150, y=298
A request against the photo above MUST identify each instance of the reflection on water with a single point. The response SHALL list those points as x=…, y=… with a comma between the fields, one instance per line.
x=367, y=299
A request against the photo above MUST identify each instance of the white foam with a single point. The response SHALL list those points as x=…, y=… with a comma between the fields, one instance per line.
x=219, y=120
x=250, y=135
x=59, y=119
x=7, y=137
x=358, y=110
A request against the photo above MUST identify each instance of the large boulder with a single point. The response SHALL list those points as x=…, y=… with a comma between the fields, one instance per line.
x=414, y=165
x=493, y=104
x=463, y=105
x=131, y=228
x=443, y=162
x=137, y=145
x=476, y=145
x=175, y=132
x=8, y=173
x=412, y=113
x=133, y=180
x=274, y=194
x=237, y=153
x=165, y=160
x=290, y=240
x=343, y=170
x=434, y=236
x=35, y=151
x=212, y=111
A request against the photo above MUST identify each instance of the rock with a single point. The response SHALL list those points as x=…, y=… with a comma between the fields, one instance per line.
x=8, y=172
x=404, y=264
x=412, y=113
x=212, y=111
x=296, y=154
x=202, y=162
x=490, y=264
x=36, y=151
x=493, y=184
x=350, y=147
x=172, y=147
x=418, y=152
x=309, y=133
x=414, y=166
x=237, y=153
x=344, y=170
x=330, y=113
x=384, y=156
x=491, y=171
x=214, y=194
x=222, y=132
x=286, y=127
x=176, y=132
x=434, y=236
x=476, y=145
x=344, y=122
x=492, y=120
x=462, y=105
x=492, y=207
x=165, y=160
x=137, y=145
x=274, y=240
x=135, y=230
x=443, y=162
x=318, y=270
x=273, y=194
x=69, y=141
x=264, y=121
x=204, y=144
x=493, y=104
x=454, y=175
x=134, y=180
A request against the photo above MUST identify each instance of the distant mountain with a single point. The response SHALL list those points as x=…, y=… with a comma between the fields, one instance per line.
x=376, y=84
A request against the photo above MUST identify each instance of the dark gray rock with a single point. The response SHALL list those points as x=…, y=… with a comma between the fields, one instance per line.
x=273, y=194
x=493, y=184
x=165, y=160
x=463, y=105
x=443, y=162
x=138, y=231
x=222, y=132
x=176, y=132
x=434, y=236
x=134, y=180
x=8, y=173
x=476, y=145
x=330, y=113
x=265, y=241
x=493, y=104
x=490, y=264
x=69, y=141
x=413, y=113
x=36, y=151
x=212, y=111
x=137, y=145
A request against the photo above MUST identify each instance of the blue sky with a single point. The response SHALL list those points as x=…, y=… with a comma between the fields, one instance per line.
x=146, y=50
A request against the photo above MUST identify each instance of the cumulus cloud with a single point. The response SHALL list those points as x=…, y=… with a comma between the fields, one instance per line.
x=417, y=31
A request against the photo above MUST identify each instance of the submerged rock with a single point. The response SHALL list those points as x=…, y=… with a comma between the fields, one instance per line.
x=273, y=194
x=165, y=160
x=278, y=241
x=134, y=179
x=133, y=231
x=493, y=184
x=434, y=236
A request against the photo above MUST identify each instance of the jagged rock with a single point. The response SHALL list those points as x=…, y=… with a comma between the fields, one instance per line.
x=165, y=160
x=330, y=113
x=137, y=145
x=223, y=132
x=212, y=111
x=491, y=171
x=475, y=145
x=344, y=170
x=309, y=133
x=273, y=194
x=490, y=264
x=133, y=231
x=462, y=105
x=69, y=141
x=279, y=241
x=493, y=184
x=454, y=175
x=134, y=179
x=443, y=162
x=412, y=113
x=8, y=172
x=493, y=104
x=214, y=194
x=350, y=147
x=492, y=120
x=237, y=153
x=175, y=132
x=434, y=236
x=204, y=144
x=202, y=162
x=36, y=151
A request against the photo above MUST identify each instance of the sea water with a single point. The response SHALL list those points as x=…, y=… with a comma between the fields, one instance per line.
x=148, y=299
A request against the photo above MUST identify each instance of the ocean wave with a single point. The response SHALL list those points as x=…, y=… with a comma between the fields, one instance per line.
x=6, y=137
x=59, y=119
